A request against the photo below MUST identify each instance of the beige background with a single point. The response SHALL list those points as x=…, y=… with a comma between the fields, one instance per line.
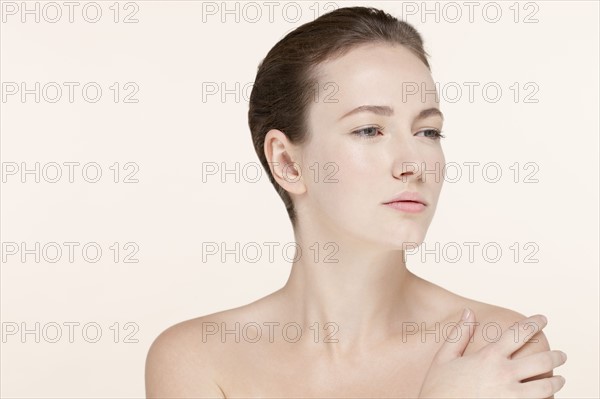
x=170, y=212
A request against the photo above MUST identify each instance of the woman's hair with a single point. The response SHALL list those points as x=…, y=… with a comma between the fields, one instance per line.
x=287, y=77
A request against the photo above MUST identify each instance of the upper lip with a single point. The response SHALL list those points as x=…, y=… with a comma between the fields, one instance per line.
x=407, y=196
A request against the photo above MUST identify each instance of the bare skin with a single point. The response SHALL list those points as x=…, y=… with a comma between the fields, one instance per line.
x=192, y=359
x=379, y=311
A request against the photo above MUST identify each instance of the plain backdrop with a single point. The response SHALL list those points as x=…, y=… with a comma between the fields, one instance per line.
x=176, y=61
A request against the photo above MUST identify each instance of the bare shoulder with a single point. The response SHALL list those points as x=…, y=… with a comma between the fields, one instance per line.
x=491, y=320
x=179, y=365
x=494, y=321
x=494, y=318
x=507, y=320
x=188, y=358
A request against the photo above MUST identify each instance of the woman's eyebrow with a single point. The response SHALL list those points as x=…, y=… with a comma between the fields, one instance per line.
x=426, y=113
x=376, y=109
x=388, y=111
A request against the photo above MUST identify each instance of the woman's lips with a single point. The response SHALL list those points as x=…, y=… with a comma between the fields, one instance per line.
x=407, y=206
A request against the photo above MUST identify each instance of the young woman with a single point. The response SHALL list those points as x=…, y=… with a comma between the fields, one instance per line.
x=347, y=149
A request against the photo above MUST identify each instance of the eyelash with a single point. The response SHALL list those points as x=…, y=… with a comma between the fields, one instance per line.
x=438, y=133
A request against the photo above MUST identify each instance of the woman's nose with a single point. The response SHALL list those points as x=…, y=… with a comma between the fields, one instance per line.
x=406, y=171
x=408, y=160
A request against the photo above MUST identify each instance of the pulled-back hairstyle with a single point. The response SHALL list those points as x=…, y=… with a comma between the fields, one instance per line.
x=287, y=76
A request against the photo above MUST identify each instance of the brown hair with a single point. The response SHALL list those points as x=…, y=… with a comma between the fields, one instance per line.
x=286, y=77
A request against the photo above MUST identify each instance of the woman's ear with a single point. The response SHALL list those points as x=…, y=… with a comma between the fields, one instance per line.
x=282, y=158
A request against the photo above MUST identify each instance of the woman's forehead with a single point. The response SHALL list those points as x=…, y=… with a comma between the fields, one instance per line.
x=374, y=60
x=375, y=74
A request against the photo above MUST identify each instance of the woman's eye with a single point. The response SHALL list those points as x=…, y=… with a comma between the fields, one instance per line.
x=371, y=132
x=432, y=133
x=368, y=132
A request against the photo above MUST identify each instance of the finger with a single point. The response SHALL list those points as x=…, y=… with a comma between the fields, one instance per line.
x=518, y=334
x=458, y=338
x=542, y=388
x=538, y=363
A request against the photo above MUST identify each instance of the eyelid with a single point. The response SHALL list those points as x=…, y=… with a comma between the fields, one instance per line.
x=367, y=127
x=356, y=132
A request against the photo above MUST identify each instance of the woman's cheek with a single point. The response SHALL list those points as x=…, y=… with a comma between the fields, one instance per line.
x=340, y=172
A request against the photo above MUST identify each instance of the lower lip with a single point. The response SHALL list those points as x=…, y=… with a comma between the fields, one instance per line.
x=407, y=206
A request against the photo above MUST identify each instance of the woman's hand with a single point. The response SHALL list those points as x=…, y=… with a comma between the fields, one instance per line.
x=490, y=372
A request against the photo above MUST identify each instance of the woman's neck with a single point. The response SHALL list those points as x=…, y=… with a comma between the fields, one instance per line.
x=365, y=291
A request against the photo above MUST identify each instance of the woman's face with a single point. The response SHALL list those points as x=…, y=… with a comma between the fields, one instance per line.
x=349, y=176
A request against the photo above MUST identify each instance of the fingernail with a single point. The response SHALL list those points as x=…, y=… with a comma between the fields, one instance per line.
x=564, y=356
x=466, y=314
x=544, y=319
